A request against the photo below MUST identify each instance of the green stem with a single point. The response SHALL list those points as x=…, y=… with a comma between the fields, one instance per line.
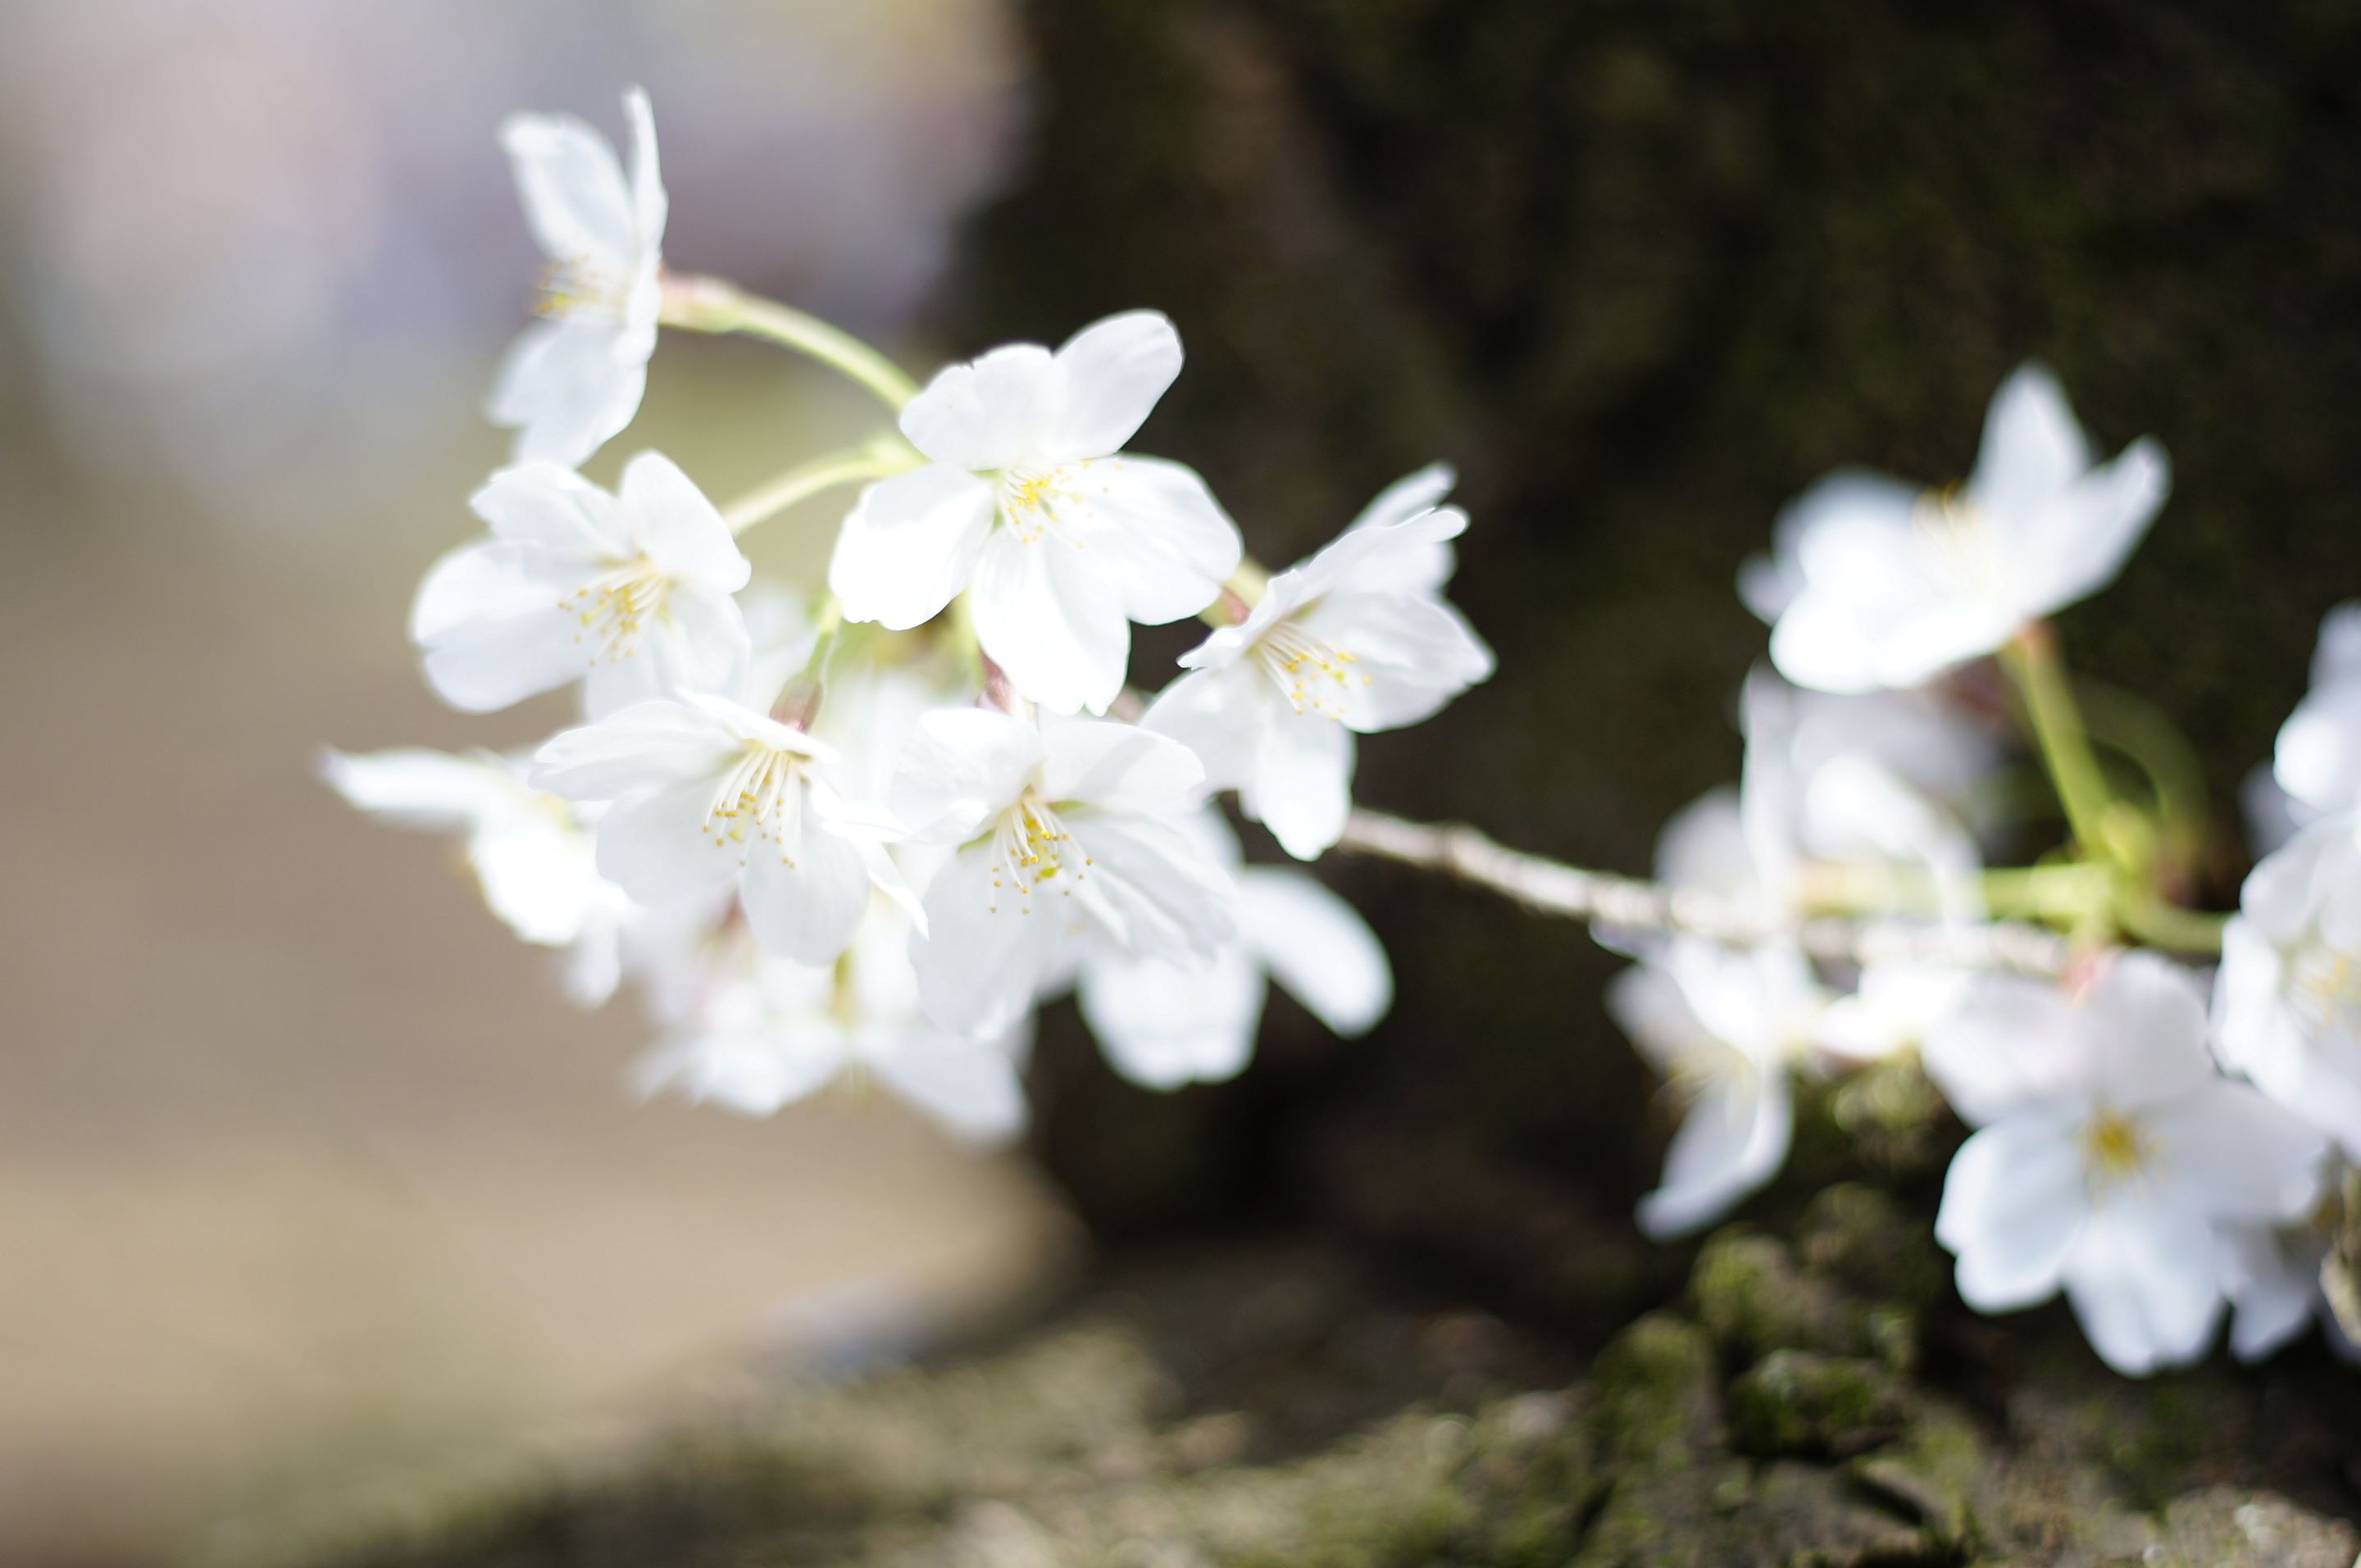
x=2031, y=660
x=711, y=304
x=872, y=459
x=2164, y=924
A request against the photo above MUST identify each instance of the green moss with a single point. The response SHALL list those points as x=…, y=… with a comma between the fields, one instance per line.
x=1793, y=1401
x=1656, y=1396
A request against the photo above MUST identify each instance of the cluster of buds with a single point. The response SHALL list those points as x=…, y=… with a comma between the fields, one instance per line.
x=865, y=831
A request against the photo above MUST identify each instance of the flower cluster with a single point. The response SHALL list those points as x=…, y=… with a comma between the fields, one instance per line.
x=860, y=835
x=2151, y=1137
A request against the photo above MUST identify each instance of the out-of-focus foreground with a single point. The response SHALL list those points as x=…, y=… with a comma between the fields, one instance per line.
x=303, y=1166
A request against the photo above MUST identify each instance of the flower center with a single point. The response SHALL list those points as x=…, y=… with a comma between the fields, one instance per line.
x=576, y=287
x=1034, y=502
x=760, y=798
x=1951, y=536
x=1033, y=852
x=614, y=609
x=2324, y=992
x=2116, y=1151
x=1317, y=675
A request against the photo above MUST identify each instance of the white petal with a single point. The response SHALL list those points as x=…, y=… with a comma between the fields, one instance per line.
x=1114, y=371
x=2271, y=1294
x=2338, y=652
x=2032, y=448
x=990, y=413
x=752, y=1070
x=1317, y=947
x=960, y=767
x=649, y=208
x=1161, y=543
x=1647, y=1004
x=644, y=747
x=655, y=847
x=1116, y=767
x=573, y=189
x=2014, y=1205
x=805, y=910
x=1048, y=617
x=1220, y=715
x=2011, y=1043
x=981, y=958
x=1162, y=1026
x=696, y=645
x=910, y=544
x=570, y=383
x=483, y=666
x=1302, y=788
x=419, y=788
x=2318, y=759
x=681, y=533
x=1732, y=1140
x=488, y=580
x=1409, y=496
x=555, y=509
x=970, y=1087
x=1167, y=900
x=2090, y=531
x=2143, y=1284
x=536, y=877
x=1411, y=655
x=1399, y=558
x=2227, y=1153
x=2142, y=1025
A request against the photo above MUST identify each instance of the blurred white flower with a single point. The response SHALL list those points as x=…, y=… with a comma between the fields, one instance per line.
x=1163, y=1025
x=769, y=1031
x=575, y=378
x=2112, y=1157
x=1724, y=1026
x=708, y=792
x=1061, y=832
x=1026, y=499
x=531, y=852
x=1356, y=639
x=2287, y=1003
x=2272, y=1274
x=629, y=592
x=1877, y=584
x=2317, y=760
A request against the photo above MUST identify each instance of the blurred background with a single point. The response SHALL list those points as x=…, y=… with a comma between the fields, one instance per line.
x=306, y=1173
x=305, y=1176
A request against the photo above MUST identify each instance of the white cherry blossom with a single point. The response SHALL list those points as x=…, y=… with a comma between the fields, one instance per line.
x=531, y=851
x=1061, y=539
x=1062, y=832
x=769, y=1031
x=629, y=592
x=576, y=377
x=707, y=791
x=2287, y=1003
x=2318, y=759
x=1356, y=640
x=1163, y=1025
x=1725, y=1026
x=2111, y=1157
x=1876, y=583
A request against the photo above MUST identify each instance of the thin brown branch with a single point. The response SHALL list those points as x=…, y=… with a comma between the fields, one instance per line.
x=1602, y=898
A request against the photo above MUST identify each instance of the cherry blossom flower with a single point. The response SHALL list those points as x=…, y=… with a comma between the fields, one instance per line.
x=1356, y=639
x=1062, y=832
x=1725, y=1025
x=629, y=592
x=1027, y=501
x=531, y=852
x=1163, y=1025
x=707, y=791
x=2287, y=1003
x=769, y=1031
x=576, y=377
x=1877, y=584
x=2111, y=1157
x=2318, y=759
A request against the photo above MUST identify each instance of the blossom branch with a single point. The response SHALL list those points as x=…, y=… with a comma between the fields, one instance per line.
x=872, y=459
x=1603, y=898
